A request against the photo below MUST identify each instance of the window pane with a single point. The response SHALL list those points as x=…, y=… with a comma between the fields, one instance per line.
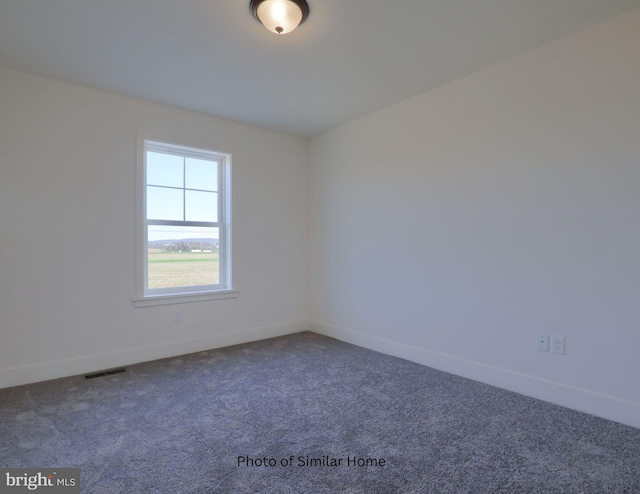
x=201, y=174
x=182, y=256
x=165, y=169
x=164, y=204
x=201, y=206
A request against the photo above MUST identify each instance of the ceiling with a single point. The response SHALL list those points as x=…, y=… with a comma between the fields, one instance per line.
x=350, y=58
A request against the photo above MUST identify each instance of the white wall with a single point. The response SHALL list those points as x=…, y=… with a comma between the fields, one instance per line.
x=453, y=227
x=67, y=232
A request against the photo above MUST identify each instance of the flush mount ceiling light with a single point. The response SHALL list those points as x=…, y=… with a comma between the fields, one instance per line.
x=280, y=16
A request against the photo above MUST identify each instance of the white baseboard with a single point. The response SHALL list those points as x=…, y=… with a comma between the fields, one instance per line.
x=16, y=376
x=584, y=400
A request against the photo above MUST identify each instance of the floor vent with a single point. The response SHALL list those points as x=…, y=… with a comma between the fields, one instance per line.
x=105, y=373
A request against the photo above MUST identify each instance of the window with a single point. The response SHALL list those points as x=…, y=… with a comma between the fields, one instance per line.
x=184, y=224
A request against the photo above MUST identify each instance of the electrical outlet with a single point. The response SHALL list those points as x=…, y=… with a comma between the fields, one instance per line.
x=542, y=343
x=177, y=316
x=557, y=344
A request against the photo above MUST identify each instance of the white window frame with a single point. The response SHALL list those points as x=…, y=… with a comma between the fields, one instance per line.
x=173, y=295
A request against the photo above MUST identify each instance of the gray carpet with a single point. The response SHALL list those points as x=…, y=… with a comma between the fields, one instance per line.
x=179, y=425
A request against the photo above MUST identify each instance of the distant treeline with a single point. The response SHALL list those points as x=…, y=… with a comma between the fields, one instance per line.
x=185, y=244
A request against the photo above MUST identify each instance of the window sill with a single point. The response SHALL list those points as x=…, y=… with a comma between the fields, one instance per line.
x=184, y=298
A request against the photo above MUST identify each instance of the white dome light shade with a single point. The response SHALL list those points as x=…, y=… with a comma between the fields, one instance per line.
x=280, y=16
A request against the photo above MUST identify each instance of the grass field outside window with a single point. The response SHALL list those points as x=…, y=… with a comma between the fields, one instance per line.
x=169, y=269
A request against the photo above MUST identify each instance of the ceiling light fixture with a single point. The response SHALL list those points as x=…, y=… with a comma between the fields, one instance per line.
x=280, y=16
